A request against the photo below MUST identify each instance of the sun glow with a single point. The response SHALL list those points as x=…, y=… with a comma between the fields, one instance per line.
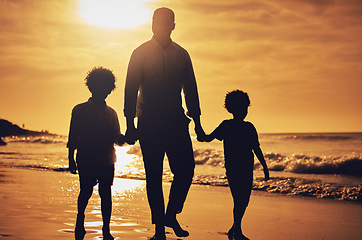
x=123, y=14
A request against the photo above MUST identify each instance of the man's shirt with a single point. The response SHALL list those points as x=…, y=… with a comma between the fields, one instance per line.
x=94, y=129
x=155, y=79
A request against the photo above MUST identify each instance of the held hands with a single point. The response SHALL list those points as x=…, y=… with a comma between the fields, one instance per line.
x=200, y=133
x=121, y=139
x=131, y=135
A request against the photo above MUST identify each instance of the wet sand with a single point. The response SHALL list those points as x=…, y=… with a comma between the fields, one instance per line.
x=42, y=205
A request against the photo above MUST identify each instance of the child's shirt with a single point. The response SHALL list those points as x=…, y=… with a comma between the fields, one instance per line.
x=239, y=139
x=94, y=129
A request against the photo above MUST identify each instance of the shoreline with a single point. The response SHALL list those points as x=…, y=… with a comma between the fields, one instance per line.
x=37, y=204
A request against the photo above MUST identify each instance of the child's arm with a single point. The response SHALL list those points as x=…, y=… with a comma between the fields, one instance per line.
x=212, y=136
x=72, y=165
x=260, y=156
x=209, y=137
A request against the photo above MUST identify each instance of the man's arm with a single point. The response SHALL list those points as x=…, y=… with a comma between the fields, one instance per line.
x=72, y=165
x=133, y=81
x=192, y=97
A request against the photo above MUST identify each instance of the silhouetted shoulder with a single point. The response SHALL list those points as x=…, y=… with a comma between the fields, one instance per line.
x=79, y=107
x=142, y=47
x=249, y=124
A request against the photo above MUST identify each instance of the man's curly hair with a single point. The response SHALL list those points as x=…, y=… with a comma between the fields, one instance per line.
x=235, y=100
x=100, y=77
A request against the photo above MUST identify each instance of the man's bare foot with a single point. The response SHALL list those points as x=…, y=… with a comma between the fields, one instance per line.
x=173, y=223
x=158, y=237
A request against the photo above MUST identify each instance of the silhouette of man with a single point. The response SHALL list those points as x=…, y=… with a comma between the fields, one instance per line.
x=158, y=71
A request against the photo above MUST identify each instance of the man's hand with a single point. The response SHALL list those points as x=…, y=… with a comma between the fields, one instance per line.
x=131, y=135
x=198, y=129
x=72, y=165
x=200, y=134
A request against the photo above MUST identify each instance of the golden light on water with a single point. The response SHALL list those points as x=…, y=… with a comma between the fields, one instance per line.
x=126, y=162
x=115, y=13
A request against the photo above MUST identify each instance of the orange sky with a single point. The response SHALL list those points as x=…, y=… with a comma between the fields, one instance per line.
x=299, y=60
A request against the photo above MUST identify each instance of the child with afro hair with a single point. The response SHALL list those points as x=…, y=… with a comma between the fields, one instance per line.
x=240, y=140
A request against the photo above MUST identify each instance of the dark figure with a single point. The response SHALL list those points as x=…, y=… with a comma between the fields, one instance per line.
x=94, y=129
x=158, y=71
x=240, y=139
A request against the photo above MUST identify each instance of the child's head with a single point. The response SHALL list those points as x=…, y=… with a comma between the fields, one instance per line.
x=237, y=103
x=100, y=82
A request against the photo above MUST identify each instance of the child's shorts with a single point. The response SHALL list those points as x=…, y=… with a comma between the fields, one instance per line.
x=89, y=177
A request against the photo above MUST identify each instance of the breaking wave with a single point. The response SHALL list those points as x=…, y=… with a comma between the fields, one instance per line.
x=296, y=163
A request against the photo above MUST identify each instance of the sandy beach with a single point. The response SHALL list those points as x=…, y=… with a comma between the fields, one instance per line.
x=42, y=205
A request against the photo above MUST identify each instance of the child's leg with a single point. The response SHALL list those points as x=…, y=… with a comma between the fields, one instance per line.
x=86, y=190
x=106, y=205
x=105, y=192
x=238, y=212
x=240, y=190
x=84, y=195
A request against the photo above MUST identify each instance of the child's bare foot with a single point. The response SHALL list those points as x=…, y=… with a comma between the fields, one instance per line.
x=79, y=233
x=173, y=223
x=231, y=233
x=159, y=232
x=107, y=234
x=238, y=235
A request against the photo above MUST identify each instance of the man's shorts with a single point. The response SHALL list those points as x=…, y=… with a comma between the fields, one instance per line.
x=89, y=177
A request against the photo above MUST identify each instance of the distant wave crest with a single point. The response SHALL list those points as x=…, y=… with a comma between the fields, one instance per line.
x=37, y=139
x=325, y=137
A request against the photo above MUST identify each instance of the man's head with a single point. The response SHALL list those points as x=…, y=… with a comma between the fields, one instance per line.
x=100, y=82
x=237, y=103
x=163, y=22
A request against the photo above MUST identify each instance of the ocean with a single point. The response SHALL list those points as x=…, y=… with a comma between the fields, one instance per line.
x=317, y=165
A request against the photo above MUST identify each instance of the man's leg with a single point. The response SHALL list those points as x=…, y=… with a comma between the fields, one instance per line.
x=153, y=155
x=182, y=163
